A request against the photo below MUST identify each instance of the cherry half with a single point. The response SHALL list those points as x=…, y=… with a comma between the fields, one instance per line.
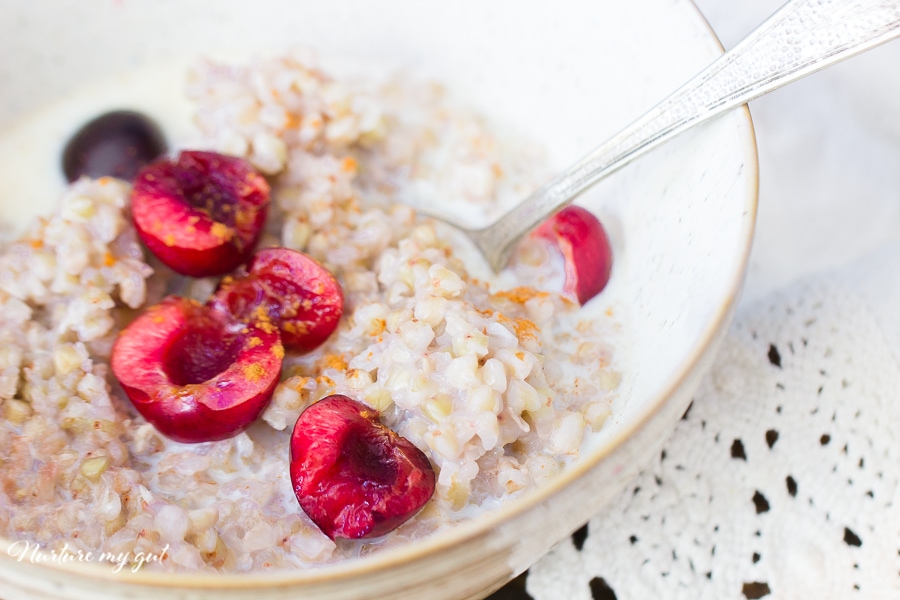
x=353, y=476
x=197, y=374
x=300, y=296
x=584, y=244
x=202, y=213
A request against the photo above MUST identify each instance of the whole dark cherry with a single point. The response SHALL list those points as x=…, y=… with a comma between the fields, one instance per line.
x=115, y=144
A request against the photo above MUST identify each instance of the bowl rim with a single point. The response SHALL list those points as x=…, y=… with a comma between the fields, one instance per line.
x=469, y=530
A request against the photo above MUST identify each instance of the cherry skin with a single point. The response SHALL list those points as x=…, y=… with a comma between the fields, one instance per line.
x=200, y=214
x=197, y=374
x=354, y=477
x=300, y=296
x=584, y=244
x=116, y=144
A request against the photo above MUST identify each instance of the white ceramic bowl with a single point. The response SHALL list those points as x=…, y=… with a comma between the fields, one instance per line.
x=566, y=74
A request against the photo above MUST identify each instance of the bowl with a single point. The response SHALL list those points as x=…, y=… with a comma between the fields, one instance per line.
x=568, y=76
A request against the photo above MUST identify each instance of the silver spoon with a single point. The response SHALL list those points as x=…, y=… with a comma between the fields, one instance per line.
x=802, y=37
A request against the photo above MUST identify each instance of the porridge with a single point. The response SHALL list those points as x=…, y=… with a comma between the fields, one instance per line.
x=496, y=380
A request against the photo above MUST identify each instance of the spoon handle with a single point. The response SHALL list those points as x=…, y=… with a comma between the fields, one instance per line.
x=802, y=37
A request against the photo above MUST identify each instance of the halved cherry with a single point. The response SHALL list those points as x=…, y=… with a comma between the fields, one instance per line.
x=201, y=214
x=197, y=374
x=583, y=242
x=353, y=476
x=300, y=296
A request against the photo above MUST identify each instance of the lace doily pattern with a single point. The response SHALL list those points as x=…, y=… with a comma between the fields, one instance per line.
x=781, y=480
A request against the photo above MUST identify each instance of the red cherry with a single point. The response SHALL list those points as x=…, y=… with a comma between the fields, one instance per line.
x=202, y=214
x=353, y=476
x=300, y=296
x=197, y=374
x=115, y=144
x=583, y=242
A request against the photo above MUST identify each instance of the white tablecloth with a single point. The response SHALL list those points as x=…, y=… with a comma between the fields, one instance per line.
x=782, y=480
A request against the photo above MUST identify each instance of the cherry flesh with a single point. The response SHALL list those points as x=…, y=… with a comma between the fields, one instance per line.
x=197, y=374
x=354, y=477
x=300, y=296
x=584, y=244
x=202, y=213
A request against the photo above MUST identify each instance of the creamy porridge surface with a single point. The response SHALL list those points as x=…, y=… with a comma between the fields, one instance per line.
x=497, y=379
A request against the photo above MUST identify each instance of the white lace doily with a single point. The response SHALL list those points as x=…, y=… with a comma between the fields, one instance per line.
x=781, y=481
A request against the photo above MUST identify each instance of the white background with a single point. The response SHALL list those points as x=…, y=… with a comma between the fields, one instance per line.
x=829, y=151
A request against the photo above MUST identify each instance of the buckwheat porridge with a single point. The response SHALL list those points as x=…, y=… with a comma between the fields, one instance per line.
x=498, y=380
